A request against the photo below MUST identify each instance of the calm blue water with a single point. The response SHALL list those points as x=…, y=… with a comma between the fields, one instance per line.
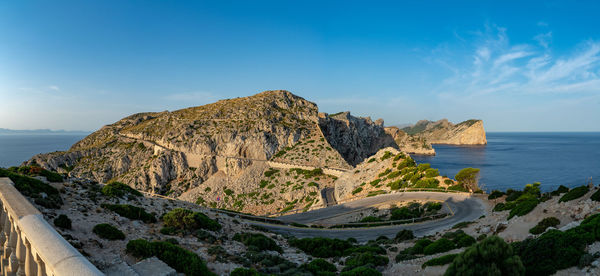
x=14, y=149
x=511, y=160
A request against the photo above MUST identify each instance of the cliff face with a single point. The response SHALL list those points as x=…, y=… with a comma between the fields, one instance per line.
x=470, y=132
x=409, y=143
x=355, y=138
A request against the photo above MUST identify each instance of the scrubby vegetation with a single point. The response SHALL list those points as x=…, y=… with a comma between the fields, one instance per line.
x=41, y=193
x=447, y=242
x=63, y=221
x=321, y=247
x=109, y=232
x=492, y=256
x=574, y=193
x=443, y=260
x=257, y=242
x=118, y=189
x=130, y=212
x=404, y=235
x=520, y=203
x=187, y=220
x=182, y=260
x=544, y=224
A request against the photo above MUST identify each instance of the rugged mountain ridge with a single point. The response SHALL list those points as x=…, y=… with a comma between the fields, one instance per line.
x=237, y=154
x=470, y=132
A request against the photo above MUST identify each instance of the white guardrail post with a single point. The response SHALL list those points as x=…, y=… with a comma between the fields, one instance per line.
x=29, y=245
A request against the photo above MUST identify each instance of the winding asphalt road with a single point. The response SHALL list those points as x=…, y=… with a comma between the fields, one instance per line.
x=464, y=207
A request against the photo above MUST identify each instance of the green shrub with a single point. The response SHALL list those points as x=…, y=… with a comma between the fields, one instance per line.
x=365, y=259
x=405, y=213
x=34, y=189
x=182, y=260
x=270, y=172
x=386, y=155
x=512, y=195
x=257, y=242
x=228, y=192
x=407, y=163
x=357, y=190
x=320, y=267
x=396, y=185
x=423, y=167
x=495, y=194
x=370, y=219
x=188, y=220
x=204, y=236
x=432, y=172
x=118, y=189
x=242, y=271
x=448, y=181
x=596, y=196
x=168, y=230
x=321, y=247
x=560, y=190
x=63, y=221
x=574, y=193
x=544, y=224
x=130, y=212
x=523, y=208
x=107, y=231
x=404, y=235
x=491, y=256
x=553, y=250
x=439, y=246
x=361, y=271
x=371, y=160
x=443, y=260
x=468, y=177
x=458, y=187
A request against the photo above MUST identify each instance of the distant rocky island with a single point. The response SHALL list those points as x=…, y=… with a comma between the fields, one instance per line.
x=5, y=131
x=469, y=132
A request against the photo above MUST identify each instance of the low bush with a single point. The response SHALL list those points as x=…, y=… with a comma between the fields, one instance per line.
x=365, y=259
x=257, y=242
x=596, y=196
x=184, y=219
x=107, y=231
x=432, y=172
x=63, y=221
x=320, y=267
x=386, y=155
x=371, y=219
x=544, y=224
x=42, y=193
x=130, y=212
x=321, y=247
x=443, y=260
x=242, y=271
x=180, y=259
x=512, y=195
x=357, y=190
x=406, y=212
x=204, y=236
x=495, y=194
x=439, y=246
x=404, y=235
x=523, y=208
x=118, y=189
x=574, y=193
x=491, y=256
x=560, y=190
x=361, y=271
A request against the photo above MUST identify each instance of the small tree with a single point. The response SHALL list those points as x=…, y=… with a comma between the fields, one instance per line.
x=492, y=256
x=469, y=178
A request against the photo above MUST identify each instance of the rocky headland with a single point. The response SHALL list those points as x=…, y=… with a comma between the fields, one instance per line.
x=470, y=132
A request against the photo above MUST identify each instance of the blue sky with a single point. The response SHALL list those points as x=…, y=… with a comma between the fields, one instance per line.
x=78, y=65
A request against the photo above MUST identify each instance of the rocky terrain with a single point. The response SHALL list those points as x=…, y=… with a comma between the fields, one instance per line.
x=469, y=132
x=410, y=143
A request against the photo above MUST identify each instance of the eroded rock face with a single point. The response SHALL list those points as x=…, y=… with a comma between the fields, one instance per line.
x=409, y=143
x=470, y=132
x=355, y=138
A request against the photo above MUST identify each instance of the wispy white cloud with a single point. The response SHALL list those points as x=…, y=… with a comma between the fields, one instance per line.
x=54, y=88
x=500, y=67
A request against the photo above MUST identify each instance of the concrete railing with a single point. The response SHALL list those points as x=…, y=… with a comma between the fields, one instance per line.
x=29, y=245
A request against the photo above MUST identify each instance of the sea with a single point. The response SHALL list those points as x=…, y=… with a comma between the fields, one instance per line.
x=17, y=148
x=509, y=160
x=512, y=160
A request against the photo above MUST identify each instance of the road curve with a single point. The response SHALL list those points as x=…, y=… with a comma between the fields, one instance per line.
x=464, y=206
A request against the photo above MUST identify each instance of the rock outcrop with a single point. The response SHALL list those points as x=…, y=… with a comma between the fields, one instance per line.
x=355, y=138
x=410, y=143
x=470, y=132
